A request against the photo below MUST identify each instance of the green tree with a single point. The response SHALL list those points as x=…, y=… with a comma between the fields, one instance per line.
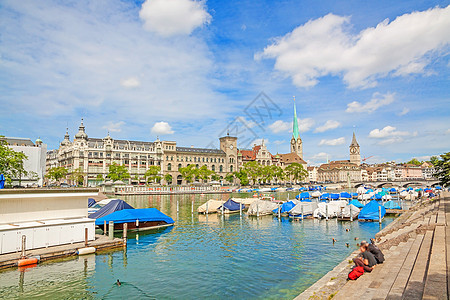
x=77, y=176
x=434, y=160
x=414, y=161
x=168, y=178
x=152, y=174
x=11, y=162
x=117, y=172
x=188, y=173
x=253, y=170
x=56, y=173
x=215, y=177
x=267, y=173
x=278, y=173
x=203, y=173
x=99, y=178
x=296, y=171
x=443, y=169
x=242, y=176
x=229, y=177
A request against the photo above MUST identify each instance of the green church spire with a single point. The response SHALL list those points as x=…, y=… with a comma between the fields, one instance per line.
x=295, y=126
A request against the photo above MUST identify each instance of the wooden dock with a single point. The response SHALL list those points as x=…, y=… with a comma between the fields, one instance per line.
x=417, y=252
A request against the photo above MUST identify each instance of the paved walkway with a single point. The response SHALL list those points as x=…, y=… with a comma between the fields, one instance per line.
x=417, y=262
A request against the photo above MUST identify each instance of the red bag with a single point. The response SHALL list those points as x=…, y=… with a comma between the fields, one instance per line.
x=355, y=273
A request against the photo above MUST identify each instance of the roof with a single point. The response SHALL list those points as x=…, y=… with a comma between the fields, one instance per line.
x=290, y=158
x=338, y=164
x=200, y=150
x=16, y=141
x=354, y=142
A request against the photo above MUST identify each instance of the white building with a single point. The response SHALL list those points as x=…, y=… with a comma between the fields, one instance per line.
x=35, y=164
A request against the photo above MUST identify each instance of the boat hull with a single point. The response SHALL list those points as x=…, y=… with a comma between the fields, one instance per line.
x=131, y=226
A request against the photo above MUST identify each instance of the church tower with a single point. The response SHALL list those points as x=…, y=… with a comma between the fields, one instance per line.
x=296, y=141
x=355, y=156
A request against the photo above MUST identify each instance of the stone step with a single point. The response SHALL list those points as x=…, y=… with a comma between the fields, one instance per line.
x=436, y=277
x=401, y=280
x=415, y=285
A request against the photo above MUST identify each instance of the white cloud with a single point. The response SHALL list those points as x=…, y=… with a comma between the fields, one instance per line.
x=306, y=124
x=378, y=100
x=332, y=142
x=173, y=17
x=114, y=127
x=131, y=82
x=319, y=156
x=387, y=132
x=260, y=141
x=162, y=128
x=280, y=126
x=404, y=111
x=325, y=46
x=330, y=124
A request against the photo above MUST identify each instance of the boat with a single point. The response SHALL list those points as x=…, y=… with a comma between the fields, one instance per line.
x=345, y=195
x=93, y=206
x=330, y=209
x=136, y=219
x=230, y=207
x=303, y=209
x=113, y=206
x=303, y=196
x=210, y=206
x=285, y=207
x=349, y=212
x=261, y=208
x=371, y=211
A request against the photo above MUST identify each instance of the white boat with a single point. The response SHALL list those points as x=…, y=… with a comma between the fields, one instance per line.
x=261, y=207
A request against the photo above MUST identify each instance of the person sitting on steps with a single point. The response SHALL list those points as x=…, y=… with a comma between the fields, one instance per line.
x=365, y=259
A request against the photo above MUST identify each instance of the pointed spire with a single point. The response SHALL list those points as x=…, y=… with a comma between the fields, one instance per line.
x=354, y=142
x=295, y=124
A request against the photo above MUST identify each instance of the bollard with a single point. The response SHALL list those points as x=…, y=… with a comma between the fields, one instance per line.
x=85, y=237
x=104, y=228
x=192, y=207
x=279, y=211
x=207, y=207
x=240, y=208
x=379, y=214
x=178, y=206
x=351, y=214
x=302, y=212
x=125, y=229
x=24, y=244
x=222, y=207
x=326, y=211
x=111, y=230
x=257, y=208
x=288, y=197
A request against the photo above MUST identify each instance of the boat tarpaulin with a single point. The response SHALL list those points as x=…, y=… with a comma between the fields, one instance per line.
x=131, y=215
x=370, y=211
x=345, y=213
x=356, y=203
x=262, y=206
x=304, y=195
x=91, y=202
x=112, y=206
x=392, y=205
x=334, y=207
x=213, y=205
x=286, y=206
x=231, y=205
x=307, y=208
x=345, y=195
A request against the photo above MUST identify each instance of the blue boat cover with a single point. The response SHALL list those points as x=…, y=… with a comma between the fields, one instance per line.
x=431, y=194
x=131, y=215
x=304, y=195
x=91, y=202
x=325, y=196
x=305, y=200
x=285, y=207
x=370, y=211
x=392, y=190
x=231, y=205
x=376, y=197
x=112, y=206
x=2, y=181
x=334, y=196
x=356, y=203
x=392, y=205
x=345, y=195
x=438, y=187
x=355, y=195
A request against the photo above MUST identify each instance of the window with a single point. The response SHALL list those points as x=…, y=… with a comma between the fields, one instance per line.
x=179, y=166
x=169, y=167
x=221, y=168
x=231, y=168
x=213, y=168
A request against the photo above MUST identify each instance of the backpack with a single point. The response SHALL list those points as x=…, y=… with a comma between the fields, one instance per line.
x=355, y=273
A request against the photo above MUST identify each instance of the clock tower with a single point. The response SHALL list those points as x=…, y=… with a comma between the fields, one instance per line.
x=296, y=141
x=355, y=156
x=228, y=144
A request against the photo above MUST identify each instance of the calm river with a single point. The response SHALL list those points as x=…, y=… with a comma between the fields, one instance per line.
x=201, y=257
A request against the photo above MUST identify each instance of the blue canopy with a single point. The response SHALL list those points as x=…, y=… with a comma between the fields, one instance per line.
x=356, y=203
x=392, y=205
x=370, y=211
x=304, y=195
x=345, y=195
x=91, y=202
x=285, y=207
x=231, y=205
x=131, y=215
x=2, y=181
x=325, y=196
x=112, y=206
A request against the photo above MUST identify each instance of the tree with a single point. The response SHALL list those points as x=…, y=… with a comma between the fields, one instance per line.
x=229, y=177
x=296, y=171
x=253, y=170
x=188, y=172
x=443, y=169
x=152, y=173
x=117, y=172
x=203, y=173
x=11, y=162
x=278, y=173
x=99, y=178
x=215, y=177
x=414, y=161
x=242, y=176
x=434, y=160
x=56, y=173
x=267, y=173
x=168, y=178
x=77, y=176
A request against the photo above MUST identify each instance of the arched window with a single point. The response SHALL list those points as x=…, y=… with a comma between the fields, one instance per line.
x=213, y=168
x=179, y=166
x=169, y=167
x=231, y=168
x=221, y=168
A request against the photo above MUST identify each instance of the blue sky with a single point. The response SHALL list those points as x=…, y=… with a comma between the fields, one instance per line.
x=189, y=71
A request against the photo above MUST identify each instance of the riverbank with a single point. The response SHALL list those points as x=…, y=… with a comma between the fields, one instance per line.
x=416, y=263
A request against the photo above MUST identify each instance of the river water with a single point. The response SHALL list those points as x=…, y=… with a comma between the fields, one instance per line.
x=201, y=257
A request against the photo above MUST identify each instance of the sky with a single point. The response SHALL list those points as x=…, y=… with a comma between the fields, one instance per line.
x=191, y=71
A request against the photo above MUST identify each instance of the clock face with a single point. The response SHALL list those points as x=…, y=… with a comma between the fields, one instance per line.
x=231, y=147
x=293, y=142
x=352, y=150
